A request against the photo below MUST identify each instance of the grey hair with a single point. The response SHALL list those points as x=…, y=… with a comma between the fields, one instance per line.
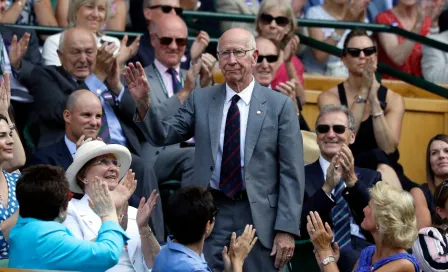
x=75, y=5
x=338, y=108
x=251, y=44
x=62, y=38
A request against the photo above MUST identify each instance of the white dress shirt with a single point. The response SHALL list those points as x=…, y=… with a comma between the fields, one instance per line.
x=243, y=106
x=166, y=76
x=355, y=229
x=70, y=145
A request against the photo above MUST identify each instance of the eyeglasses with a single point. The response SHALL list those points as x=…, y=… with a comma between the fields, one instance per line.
x=239, y=53
x=269, y=58
x=267, y=19
x=445, y=184
x=339, y=129
x=107, y=162
x=169, y=40
x=167, y=9
x=356, y=52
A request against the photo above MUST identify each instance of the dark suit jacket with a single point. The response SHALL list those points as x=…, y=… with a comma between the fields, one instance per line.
x=51, y=86
x=315, y=199
x=32, y=57
x=56, y=154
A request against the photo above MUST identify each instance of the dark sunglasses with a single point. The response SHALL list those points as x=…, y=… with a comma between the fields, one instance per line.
x=169, y=40
x=355, y=52
x=167, y=9
x=339, y=129
x=269, y=58
x=267, y=19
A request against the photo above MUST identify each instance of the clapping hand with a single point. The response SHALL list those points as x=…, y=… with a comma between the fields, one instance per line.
x=82, y=140
x=239, y=248
x=368, y=77
x=104, y=60
x=206, y=72
x=199, y=45
x=138, y=84
x=126, y=52
x=5, y=93
x=289, y=88
x=124, y=190
x=291, y=48
x=192, y=74
x=321, y=237
x=100, y=199
x=334, y=175
x=18, y=50
x=145, y=209
x=348, y=166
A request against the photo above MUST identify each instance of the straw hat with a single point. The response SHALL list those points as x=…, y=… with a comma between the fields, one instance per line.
x=311, y=151
x=91, y=150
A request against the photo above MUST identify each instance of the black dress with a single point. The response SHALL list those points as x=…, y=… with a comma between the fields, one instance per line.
x=365, y=150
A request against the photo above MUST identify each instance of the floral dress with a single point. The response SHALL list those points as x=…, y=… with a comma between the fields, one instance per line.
x=5, y=213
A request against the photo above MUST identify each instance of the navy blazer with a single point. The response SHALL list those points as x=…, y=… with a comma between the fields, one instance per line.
x=315, y=199
x=56, y=154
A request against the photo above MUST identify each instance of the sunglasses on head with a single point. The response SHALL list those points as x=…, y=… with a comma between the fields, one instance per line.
x=169, y=40
x=269, y=58
x=280, y=20
x=356, y=52
x=339, y=129
x=167, y=9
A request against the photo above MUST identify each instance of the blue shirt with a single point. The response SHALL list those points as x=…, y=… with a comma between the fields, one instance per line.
x=37, y=244
x=175, y=257
x=116, y=132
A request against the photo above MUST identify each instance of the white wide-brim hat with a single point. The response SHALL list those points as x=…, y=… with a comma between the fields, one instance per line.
x=311, y=151
x=91, y=150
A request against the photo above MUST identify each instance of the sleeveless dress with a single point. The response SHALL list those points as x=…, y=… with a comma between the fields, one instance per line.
x=365, y=150
x=13, y=205
x=365, y=260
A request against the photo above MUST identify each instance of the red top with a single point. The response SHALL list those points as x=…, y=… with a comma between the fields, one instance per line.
x=413, y=64
x=282, y=75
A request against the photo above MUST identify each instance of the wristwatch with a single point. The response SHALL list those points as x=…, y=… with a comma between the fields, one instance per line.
x=335, y=36
x=327, y=260
x=360, y=99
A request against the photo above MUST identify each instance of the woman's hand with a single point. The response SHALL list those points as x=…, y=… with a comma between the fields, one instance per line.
x=145, y=209
x=239, y=248
x=5, y=93
x=101, y=201
x=291, y=48
x=321, y=236
x=124, y=190
x=126, y=52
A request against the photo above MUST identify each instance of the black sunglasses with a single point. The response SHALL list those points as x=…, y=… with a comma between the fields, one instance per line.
x=269, y=58
x=355, y=52
x=167, y=9
x=339, y=129
x=169, y=40
x=280, y=20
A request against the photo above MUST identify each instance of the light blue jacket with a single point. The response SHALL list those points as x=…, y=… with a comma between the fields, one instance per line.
x=37, y=244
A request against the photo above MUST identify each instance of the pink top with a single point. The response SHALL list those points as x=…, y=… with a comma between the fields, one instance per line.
x=282, y=75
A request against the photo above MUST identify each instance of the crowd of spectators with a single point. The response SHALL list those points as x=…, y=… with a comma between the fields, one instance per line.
x=91, y=125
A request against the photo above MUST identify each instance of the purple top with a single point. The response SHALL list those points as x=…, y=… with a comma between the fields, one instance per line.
x=365, y=260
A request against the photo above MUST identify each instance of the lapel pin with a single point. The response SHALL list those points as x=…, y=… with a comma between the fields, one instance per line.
x=98, y=91
x=258, y=112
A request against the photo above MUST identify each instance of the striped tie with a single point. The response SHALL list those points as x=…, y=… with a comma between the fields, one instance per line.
x=177, y=85
x=231, y=179
x=341, y=218
x=104, y=132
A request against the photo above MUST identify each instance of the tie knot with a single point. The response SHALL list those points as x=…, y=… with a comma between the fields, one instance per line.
x=172, y=72
x=235, y=99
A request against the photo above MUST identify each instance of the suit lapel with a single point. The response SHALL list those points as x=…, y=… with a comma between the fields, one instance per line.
x=257, y=112
x=315, y=175
x=215, y=117
x=64, y=154
x=156, y=87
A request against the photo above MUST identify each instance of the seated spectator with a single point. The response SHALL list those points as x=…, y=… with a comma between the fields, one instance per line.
x=95, y=70
x=276, y=22
x=335, y=188
x=390, y=218
x=40, y=241
x=246, y=7
x=28, y=12
x=191, y=218
x=436, y=173
x=92, y=15
x=111, y=163
x=378, y=111
x=12, y=157
x=435, y=61
x=397, y=51
x=115, y=21
x=431, y=247
x=320, y=62
x=265, y=70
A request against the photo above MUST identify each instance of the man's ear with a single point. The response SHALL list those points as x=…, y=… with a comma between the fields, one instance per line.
x=352, y=137
x=59, y=55
x=67, y=116
x=148, y=14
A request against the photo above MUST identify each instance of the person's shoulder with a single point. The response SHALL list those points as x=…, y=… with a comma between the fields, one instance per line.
x=315, y=12
x=394, y=99
x=402, y=264
x=53, y=39
x=384, y=17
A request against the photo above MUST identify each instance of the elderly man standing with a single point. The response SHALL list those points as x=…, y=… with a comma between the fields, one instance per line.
x=248, y=152
x=86, y=67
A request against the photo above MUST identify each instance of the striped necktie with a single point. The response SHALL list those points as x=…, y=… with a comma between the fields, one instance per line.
x=231, y=179
x=104, y=132
x=177, y=85
x=341, y=218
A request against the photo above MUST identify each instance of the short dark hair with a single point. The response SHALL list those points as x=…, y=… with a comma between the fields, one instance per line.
x=42, y=192
x=357, y=32
x=188, y=212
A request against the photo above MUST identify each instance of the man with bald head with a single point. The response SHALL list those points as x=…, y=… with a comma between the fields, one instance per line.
x=86, y=67
x=248, y=152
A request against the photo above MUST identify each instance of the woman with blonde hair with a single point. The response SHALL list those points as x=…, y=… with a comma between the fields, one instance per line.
x=390, y=218
x=92, y=15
